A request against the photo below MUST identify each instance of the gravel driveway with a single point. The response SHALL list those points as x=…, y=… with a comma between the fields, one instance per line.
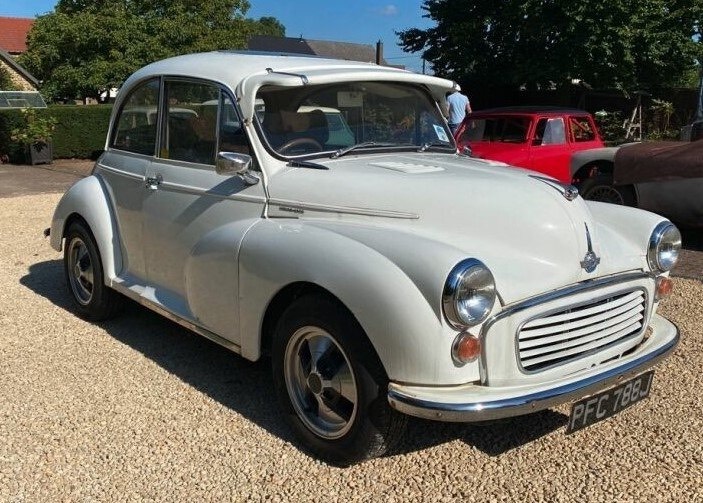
x=141, y=409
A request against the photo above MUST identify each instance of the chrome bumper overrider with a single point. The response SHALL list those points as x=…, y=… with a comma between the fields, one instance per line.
x=473, y=403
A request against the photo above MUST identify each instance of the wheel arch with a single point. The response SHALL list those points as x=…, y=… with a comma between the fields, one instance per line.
x=592, y=169
x=404, y=327
x=87, y=200
x=280, y=302
x=583, y=160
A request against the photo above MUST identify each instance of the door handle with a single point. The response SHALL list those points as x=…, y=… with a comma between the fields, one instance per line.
x=153, y=182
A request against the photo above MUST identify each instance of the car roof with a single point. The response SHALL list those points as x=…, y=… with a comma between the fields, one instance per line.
x=246, y=71
x=531, y=110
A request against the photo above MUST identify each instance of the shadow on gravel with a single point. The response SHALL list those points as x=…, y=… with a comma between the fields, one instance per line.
x=494, y=438
x=247, y=388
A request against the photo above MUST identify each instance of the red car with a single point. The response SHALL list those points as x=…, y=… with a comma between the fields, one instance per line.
x=542, y=139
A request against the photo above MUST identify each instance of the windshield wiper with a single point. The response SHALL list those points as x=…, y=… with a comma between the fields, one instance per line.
x=306, y=164
x=429, y=145
x=346, y=150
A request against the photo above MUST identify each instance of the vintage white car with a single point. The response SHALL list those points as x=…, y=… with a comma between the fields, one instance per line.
x=384, y=273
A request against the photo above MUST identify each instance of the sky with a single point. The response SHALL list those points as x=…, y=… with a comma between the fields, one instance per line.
x=358, y=21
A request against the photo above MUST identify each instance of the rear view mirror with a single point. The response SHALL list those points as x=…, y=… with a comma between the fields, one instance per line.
x=233, y=163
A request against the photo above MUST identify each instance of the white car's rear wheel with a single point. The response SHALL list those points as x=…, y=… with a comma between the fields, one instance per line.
x=84, y=275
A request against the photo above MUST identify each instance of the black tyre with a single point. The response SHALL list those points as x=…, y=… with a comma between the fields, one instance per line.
x=93, y=300
x=330, y=383
x=601, y=188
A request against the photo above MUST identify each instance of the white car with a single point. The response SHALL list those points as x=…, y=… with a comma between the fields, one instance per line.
x=384, y=273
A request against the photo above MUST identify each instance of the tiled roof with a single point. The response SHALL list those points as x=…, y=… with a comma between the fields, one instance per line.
x=13, y=34
x=6, y=58
x=328, y=49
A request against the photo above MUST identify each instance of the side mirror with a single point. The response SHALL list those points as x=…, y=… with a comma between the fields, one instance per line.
x=232, y=163
x=467, y=151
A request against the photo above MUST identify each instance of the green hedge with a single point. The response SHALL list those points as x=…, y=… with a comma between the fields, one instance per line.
x=9, y=119
x=80, y=131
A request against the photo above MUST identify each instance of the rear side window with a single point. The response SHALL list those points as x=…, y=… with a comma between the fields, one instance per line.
x=136, y=123
x=581, y=129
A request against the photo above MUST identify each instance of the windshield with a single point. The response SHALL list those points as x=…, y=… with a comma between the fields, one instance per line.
x=324, y=119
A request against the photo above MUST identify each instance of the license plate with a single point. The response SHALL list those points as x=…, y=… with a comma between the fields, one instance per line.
x=607, y=403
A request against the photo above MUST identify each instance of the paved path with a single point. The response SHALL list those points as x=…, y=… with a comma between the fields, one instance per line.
x=17, y=180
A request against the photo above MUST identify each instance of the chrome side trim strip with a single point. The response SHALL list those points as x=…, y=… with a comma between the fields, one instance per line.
x=198, y=191
x=524, y=404
x=342, y=209
x=121, y=172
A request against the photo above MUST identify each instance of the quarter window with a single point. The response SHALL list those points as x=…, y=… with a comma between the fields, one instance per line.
x=581, y=129
x=137, y=121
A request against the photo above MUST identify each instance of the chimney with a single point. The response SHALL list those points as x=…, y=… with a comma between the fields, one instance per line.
x=379, y=53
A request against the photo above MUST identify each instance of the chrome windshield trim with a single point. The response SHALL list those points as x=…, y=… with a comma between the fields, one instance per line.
x=532, y=402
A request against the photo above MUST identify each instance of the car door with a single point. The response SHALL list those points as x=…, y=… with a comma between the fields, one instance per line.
x=194, y=217
x=122, y=170
x=550, y=152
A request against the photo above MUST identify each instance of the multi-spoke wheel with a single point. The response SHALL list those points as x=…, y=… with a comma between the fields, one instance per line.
x=601, y=188
x=84, y=275
x=331, y=383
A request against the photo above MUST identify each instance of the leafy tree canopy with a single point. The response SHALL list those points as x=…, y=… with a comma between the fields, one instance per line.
x=85, y=47
x=631, y=44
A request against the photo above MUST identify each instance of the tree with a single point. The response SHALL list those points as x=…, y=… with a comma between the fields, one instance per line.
x=6, y=83
x=622, y=43
x=86, y=47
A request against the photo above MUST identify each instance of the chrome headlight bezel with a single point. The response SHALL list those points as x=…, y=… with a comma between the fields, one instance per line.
x=469, y=279
x=664, y=247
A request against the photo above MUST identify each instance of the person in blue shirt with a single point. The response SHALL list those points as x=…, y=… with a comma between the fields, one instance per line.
x=458, y=106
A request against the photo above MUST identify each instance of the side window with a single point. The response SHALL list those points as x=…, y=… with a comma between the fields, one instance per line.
x=550, y=132
x=581, y=129
x=190, y=128
x=514, y=130
x=135, y=129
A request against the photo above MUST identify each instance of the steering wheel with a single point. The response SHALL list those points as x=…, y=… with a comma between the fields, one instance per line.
x=296, y=142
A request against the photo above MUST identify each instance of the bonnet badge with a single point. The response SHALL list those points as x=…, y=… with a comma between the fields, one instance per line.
x=591, y=260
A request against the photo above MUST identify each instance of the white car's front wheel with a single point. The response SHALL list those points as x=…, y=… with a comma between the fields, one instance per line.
x=331, y=384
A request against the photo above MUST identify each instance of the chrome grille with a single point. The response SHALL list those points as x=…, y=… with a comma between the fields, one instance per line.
x=569, y=334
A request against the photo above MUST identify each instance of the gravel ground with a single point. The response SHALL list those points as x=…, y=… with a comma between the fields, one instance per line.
x=141, y=409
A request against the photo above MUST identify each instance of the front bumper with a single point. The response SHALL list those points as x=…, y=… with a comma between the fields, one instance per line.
x=474, y=403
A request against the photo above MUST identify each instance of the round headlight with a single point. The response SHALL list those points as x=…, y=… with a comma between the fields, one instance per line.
x=664, y=247
x=469, y=293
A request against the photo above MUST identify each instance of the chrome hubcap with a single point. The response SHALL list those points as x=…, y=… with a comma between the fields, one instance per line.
x=80, y=271
x=320, y=382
